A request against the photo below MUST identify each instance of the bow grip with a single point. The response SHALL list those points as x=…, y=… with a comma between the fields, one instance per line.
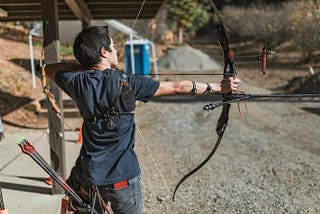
x=229, y=69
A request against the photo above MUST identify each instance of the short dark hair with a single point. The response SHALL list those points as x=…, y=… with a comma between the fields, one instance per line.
x=88, y=44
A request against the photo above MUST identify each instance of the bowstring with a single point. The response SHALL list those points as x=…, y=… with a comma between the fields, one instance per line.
x=154, y=160
x=133, y=25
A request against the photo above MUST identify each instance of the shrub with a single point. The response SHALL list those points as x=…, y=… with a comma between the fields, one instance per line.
x=297, y=21
x=305, y=22
x=266, y=24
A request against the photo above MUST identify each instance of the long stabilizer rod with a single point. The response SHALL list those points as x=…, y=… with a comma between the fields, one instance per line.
x=242, y=97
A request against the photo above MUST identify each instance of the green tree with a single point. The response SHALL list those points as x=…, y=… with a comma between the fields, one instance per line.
x=201, y=19
x=248, y=2
x=183, y=13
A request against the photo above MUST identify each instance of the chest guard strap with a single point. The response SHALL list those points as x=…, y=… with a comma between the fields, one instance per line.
x=125, y=95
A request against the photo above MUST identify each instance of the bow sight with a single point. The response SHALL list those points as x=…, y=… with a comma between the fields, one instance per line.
x=262, y=57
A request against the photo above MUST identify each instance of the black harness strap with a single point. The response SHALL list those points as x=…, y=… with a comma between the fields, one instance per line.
x=109, y=115
x=106, y=116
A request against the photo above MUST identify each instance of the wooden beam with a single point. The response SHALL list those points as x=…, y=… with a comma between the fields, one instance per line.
x=3, y=13
x=56, y=122
x=84, y=10
x=80, y=10
x=19, y=2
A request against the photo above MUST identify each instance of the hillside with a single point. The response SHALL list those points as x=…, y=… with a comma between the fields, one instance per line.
x=16, y=92
x=19, y=100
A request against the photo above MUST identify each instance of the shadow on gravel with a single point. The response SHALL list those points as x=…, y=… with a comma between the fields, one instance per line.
x=26, y=64
x=17, y=125
x=312, y=110
x=10, y=103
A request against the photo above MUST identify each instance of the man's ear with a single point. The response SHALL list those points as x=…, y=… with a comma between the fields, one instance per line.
x=103, y=52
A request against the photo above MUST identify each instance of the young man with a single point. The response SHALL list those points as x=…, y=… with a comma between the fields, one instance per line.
x=106, y=100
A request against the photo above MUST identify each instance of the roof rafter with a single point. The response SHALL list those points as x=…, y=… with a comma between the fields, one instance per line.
x=84, y=10
x=80, y=10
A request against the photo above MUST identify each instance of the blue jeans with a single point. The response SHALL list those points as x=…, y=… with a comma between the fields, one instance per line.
x=127, y=200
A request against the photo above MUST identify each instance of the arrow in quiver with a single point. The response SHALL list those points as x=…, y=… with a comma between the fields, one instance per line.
x=3, y=210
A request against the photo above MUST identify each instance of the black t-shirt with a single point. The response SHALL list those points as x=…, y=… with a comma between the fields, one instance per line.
x=106, y=156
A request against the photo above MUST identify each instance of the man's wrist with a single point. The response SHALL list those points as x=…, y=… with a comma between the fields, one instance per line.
x=217, y=88
x=194, y=88
x=213, y=88
x=209, y=89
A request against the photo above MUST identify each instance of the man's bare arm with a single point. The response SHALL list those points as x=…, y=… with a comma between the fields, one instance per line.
x=197, y=88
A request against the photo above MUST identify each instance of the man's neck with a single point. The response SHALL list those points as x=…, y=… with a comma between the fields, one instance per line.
x=99, y=67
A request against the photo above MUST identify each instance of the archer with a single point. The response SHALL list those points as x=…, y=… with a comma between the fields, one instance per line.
x=106, y=99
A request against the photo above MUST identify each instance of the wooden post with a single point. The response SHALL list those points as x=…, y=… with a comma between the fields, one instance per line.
x=51, y=54
x=84, y=24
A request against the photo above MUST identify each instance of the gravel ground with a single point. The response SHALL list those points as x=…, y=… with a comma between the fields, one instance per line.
x=268, y=160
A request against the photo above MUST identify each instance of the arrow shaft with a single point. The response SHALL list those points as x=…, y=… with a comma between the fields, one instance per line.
x=28, y=149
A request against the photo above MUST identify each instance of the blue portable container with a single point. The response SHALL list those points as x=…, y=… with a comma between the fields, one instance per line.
x=141, y=50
